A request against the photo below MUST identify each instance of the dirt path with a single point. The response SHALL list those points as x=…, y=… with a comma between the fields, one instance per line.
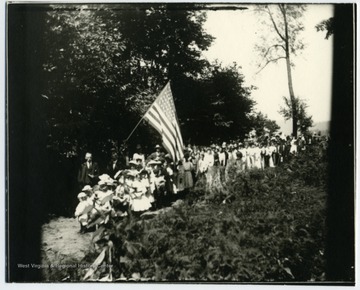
x=62, y=246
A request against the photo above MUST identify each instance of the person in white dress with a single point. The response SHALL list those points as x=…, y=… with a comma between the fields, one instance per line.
x=139, y=157
x=262, y=155
x=257, y=156
x=293, y=147
x=242, y=150
x=222, y=156
x=201, y=165
x=209, y=167
x=208, y=159
x=82, y=211
x=272, y=150
x=140, y=202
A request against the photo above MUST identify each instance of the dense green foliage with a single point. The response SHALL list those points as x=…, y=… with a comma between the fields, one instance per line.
x=105, y=64
x=327, y=25
x=305, y=121
x=216, y=107
x=260, y=226
x=263, y=125
x=92, y=71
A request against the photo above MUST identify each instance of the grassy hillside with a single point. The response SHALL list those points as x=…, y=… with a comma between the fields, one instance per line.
x=258, y=226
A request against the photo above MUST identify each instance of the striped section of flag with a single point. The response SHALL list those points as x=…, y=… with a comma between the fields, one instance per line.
x=162, y=116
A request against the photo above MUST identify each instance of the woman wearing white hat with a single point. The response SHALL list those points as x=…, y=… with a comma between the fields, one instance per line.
x=134, y=167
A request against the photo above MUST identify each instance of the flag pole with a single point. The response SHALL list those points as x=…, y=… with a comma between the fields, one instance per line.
x=134, y=129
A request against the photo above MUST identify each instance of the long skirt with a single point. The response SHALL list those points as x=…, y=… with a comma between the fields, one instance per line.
x=188, y=180
x=141, y=203
x=180, y=181
x=271, y=161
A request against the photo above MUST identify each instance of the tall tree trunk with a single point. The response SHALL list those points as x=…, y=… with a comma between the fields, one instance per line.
x=292, y=97
x=288, y=67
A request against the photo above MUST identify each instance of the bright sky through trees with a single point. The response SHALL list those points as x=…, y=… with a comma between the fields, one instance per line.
x=236, y=33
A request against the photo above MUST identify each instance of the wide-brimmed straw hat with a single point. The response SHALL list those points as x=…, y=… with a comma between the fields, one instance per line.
x=81, y=195
x=133, y=162
x=104, y=176
x=102, y=182
x=87, y=188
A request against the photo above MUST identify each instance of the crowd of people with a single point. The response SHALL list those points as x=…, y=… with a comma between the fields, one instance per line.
x=130, y=188
x=140, y=183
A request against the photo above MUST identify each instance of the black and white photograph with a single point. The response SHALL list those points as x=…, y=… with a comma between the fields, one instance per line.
x=182, y=143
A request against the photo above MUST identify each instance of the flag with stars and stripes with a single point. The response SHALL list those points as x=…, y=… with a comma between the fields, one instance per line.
x=162, y=116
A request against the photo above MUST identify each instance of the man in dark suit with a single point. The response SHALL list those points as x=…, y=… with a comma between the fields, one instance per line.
x=89, y=172
x=114, y=165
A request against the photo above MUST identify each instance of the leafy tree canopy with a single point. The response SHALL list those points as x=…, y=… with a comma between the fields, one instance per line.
x=262, y=124
x=304, y=120
x=105, y=65
x=215, y=107
x=327, y=25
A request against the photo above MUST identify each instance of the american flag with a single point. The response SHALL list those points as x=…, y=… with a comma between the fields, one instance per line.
x=162, y=116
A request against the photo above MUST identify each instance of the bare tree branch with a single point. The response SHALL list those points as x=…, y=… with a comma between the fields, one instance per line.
x=282, y=9
x=269, y=61
x=275, y=26
x=273, y=46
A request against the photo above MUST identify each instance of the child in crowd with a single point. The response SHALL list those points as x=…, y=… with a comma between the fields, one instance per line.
x=82, y=211
x=121, y=199
x=140, y=202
